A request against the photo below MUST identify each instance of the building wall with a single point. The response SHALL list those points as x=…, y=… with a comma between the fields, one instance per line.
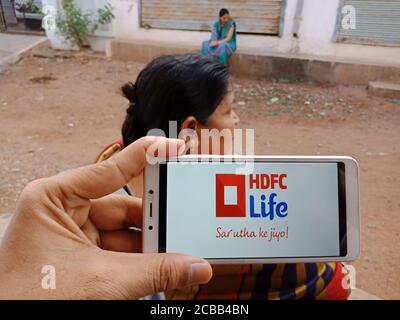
x=315, y=34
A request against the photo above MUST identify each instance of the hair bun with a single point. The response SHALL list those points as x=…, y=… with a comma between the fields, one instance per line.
x=129, y=91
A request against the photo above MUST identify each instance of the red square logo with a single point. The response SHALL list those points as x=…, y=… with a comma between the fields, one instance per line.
x=229, y=210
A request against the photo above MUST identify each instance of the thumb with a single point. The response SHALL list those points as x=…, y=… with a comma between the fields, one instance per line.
x=144, y=274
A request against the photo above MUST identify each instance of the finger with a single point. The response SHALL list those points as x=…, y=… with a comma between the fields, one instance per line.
x=116, y=212
x=101, y=179
x=144, y=274
x=121, y=241
x=91, y=232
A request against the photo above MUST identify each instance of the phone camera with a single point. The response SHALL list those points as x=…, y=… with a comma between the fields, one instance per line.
x=150, y=228
x=151, y=191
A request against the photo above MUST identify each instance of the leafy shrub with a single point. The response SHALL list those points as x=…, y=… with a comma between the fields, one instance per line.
x=75, y=25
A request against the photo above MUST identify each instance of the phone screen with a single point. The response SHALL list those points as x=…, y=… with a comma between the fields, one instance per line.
x=217, y=210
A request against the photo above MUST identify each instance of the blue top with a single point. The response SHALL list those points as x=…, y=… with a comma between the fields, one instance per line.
x=219, y=33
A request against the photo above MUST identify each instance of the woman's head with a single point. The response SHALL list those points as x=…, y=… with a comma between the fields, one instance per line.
x=224, y=16
x=193, y=90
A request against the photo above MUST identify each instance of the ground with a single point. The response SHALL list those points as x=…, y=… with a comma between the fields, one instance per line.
x=57, y=113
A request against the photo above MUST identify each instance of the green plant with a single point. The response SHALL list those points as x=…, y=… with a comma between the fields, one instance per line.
x=75, y=26
x=28, y=7
x=32, y=7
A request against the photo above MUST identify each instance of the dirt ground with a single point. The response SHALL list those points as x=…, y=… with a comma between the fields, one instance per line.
x=57, y=113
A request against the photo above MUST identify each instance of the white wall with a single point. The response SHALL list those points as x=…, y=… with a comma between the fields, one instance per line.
x=314, y=37
x=316, y=32
x=51, y=9
x=126, y=21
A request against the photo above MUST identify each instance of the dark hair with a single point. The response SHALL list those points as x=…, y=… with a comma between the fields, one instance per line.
x=172, y=88
x=223, y=12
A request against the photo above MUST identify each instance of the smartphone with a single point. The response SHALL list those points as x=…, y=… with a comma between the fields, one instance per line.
x=253, y=209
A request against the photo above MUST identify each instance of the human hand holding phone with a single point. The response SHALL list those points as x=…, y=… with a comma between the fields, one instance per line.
x=72, y=223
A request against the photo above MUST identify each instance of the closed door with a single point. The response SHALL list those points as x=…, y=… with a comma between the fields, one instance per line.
x=252, y=16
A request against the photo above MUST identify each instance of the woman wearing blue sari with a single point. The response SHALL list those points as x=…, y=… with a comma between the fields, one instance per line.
x=223, y=38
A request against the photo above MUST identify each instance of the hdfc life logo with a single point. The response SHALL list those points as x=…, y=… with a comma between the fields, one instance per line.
x=231, y=196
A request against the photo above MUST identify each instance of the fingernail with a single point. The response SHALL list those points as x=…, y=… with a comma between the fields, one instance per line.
x=199, y=273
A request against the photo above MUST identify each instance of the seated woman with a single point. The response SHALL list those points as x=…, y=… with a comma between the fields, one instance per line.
x=197, y=93
x=223, y=38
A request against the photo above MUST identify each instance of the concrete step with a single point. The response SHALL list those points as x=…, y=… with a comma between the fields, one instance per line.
x=358, y=294
x=5, y=219
x=13, y=46
x=249, y=63
x=385, y=89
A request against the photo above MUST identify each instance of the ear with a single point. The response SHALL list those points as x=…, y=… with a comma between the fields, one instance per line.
x=190, y=123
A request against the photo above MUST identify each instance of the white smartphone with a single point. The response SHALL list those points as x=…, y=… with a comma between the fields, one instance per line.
x=253, y=209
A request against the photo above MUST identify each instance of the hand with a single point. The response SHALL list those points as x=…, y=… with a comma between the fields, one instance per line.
x=214, y=43
x=72, y=222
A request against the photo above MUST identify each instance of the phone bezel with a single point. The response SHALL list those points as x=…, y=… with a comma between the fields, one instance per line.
x=152, y=205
